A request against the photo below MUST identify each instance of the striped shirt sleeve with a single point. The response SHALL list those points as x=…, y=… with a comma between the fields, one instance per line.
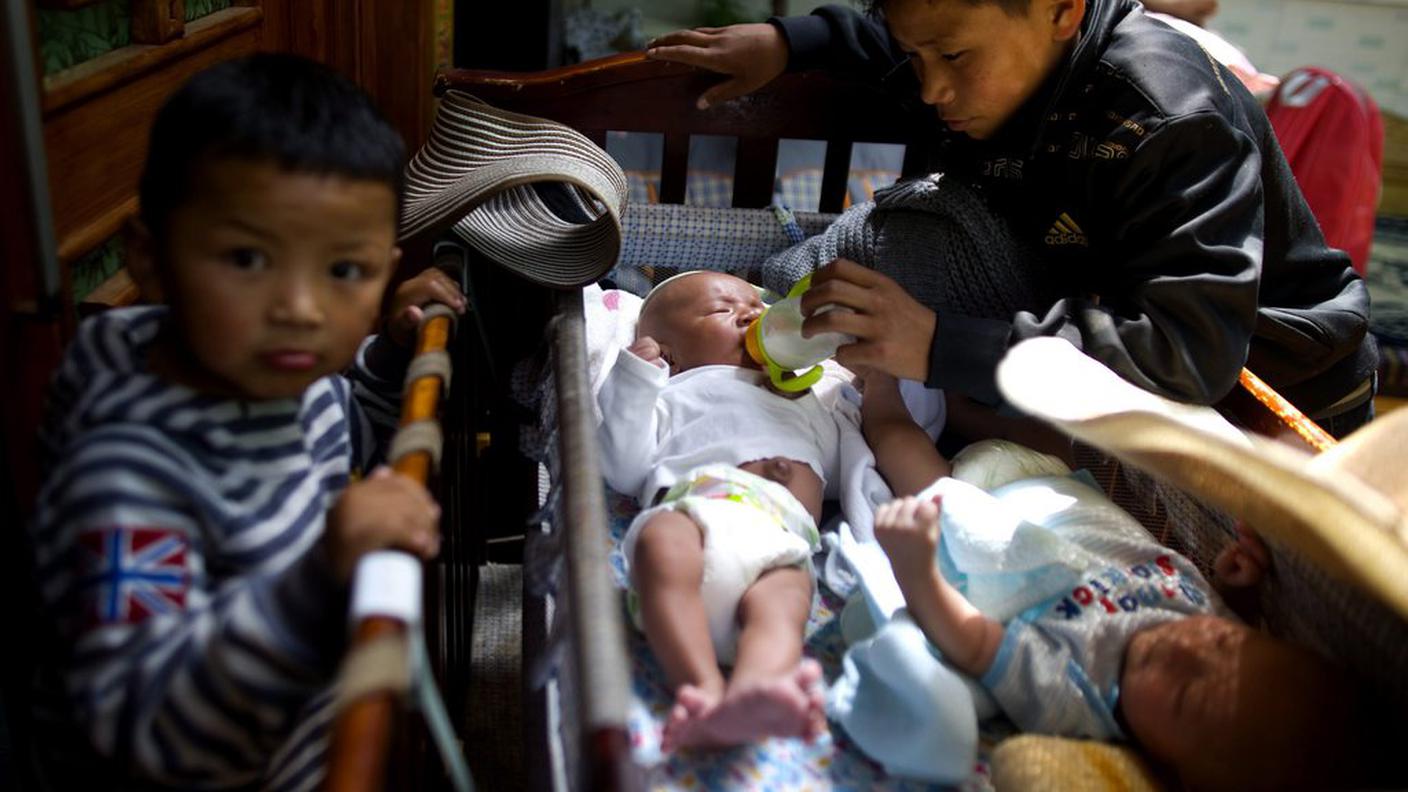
x=375, y=407
x=186, y=674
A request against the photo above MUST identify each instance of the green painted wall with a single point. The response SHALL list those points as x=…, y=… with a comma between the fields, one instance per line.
x=68, y=38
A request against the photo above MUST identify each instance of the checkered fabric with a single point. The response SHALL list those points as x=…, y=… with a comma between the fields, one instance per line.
x=661, y=240
x=800, y=189
x=642, y=187
x=709, y=188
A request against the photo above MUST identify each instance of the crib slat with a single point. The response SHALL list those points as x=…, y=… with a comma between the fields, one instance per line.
x=834, y=175
x=673, y=168
x=754, y=170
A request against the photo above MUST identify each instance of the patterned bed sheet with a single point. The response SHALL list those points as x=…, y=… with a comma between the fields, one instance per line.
x=830, y=763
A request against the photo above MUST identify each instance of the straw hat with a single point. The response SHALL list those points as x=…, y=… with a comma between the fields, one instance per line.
x=483, y=171
x=1345, y=510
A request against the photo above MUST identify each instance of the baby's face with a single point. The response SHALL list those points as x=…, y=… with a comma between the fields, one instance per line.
x=1216, y=699
x=701, y=320
x=274, y=277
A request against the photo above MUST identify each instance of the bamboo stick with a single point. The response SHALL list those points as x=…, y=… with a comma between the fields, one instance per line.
x=362, y=731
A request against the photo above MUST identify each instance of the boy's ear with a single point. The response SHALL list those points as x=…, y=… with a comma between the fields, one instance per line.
x=1066, y=18
x=141, y=262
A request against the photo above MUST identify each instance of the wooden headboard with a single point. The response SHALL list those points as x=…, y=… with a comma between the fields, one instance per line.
x=631, y=93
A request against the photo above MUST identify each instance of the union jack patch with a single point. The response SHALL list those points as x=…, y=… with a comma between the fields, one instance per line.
x=128, y=574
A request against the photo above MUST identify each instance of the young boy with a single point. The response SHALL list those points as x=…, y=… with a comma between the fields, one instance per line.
x=732, y=476
x=204, y=508
x=1138, y=647
x=1147, y=177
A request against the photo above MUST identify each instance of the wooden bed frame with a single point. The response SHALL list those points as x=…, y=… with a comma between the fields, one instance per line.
x=630, y=93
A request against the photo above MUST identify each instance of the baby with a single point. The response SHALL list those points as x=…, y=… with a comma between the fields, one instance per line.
x=732, y=476
x=1137, y=647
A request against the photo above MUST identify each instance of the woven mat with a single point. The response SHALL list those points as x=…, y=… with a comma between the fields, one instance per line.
x=493, y=733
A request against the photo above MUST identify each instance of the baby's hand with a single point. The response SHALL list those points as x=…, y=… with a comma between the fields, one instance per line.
x=431, y=285
x=908, y=530
x=384, y=510
x=646, y=348
x=1243, y=563
x=878, y=389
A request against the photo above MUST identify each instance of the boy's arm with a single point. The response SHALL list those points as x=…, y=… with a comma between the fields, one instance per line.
x=1180, y=275
x=377, y=378
x=908, y=530
x=753, y=54
x=1179, y=271
x=379, y=370
x=843, y=40
x=181, y=672
x=630, y=423
x=904, y=454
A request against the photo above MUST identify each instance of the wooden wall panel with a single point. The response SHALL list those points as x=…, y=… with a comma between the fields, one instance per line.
x=385, y=46
x=395, y=61
x=97, y=146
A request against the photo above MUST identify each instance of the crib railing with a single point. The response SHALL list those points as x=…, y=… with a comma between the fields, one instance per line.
x=374, y=681
x=602, y=665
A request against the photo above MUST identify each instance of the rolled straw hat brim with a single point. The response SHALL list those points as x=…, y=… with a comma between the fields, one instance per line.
x=477, y=171
x=1344, y=510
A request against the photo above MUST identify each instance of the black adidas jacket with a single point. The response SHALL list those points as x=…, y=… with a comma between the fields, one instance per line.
x=1165, y=210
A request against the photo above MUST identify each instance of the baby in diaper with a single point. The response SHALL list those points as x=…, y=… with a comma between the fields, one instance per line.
x=732, y=476
x=1080, y=624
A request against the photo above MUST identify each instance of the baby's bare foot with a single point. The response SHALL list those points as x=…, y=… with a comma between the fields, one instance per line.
x=780, y=707
x=691, y=705
x=809, y=677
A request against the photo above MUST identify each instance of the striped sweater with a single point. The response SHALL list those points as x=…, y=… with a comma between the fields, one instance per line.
x=174, y=540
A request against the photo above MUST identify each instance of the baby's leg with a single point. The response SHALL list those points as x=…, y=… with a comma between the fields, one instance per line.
x=772, y=691
x=667, y=569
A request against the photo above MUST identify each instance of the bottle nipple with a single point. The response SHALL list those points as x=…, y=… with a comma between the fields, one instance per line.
x=753, y=341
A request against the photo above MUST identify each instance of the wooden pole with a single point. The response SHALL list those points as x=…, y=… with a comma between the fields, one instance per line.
x=362, y=731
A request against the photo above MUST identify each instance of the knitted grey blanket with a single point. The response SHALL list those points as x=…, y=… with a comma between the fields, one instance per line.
x=936, y=238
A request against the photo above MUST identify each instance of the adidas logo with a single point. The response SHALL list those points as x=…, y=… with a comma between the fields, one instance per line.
x=1065, y=231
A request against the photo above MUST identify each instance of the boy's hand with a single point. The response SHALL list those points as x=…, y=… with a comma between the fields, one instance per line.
x=893, y=330
x=647, y=349
x=908, y=530
x=751, y=54
x=431, y=285
x=383, y=510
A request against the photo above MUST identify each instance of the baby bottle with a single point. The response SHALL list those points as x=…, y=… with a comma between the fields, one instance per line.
x=775, y=342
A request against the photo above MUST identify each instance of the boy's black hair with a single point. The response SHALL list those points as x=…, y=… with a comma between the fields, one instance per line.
x=876, y=8
x=275, y=107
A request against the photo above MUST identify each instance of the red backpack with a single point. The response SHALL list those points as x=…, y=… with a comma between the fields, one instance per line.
x=1333, y=137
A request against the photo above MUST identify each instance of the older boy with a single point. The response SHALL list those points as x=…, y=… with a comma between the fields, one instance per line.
x=203, y=511
x=1145, y=174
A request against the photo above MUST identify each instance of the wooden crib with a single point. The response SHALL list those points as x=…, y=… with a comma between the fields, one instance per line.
x=575, y=664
